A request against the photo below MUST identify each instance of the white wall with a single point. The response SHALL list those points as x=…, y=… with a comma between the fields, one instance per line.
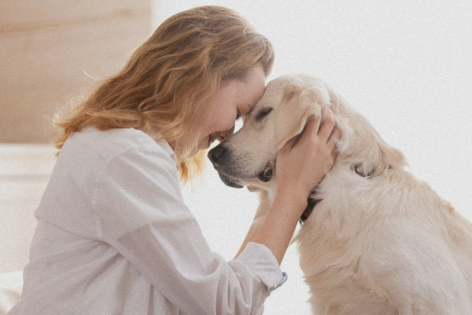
x=24, y=173
x=406, y=65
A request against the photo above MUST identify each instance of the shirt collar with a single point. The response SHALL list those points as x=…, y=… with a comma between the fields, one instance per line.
x=166, y=147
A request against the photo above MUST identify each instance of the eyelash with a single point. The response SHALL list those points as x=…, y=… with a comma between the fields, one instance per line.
x=263, y=114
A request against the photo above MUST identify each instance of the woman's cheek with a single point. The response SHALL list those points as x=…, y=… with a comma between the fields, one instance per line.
x=223, y=120
x=221, y=126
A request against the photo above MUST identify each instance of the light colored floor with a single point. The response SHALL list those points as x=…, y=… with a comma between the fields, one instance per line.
x=24, y=172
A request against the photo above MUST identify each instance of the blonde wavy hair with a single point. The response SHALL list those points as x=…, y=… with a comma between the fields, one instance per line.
x=169, y=76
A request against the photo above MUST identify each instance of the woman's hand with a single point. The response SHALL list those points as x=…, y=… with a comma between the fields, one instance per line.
x=301, y=164
x=303, y=160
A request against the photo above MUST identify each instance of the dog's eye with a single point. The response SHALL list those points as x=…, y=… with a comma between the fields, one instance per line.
x=263, y=113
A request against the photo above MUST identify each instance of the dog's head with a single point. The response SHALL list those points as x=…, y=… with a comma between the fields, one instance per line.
x=247, y=158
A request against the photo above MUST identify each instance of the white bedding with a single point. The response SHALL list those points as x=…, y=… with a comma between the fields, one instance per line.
x=10, y=290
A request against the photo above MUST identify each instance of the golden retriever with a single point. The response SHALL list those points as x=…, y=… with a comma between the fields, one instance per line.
x=379, y=241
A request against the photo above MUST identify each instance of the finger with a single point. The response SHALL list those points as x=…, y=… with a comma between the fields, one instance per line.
x=290, y=143
x=312, y=127
x=327, y=126
x=334, y=137
x=336, y=134
x=334, y=154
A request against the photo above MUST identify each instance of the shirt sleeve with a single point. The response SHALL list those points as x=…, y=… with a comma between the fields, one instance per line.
x=140, y=205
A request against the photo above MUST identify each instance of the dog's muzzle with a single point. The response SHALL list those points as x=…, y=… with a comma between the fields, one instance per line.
x=216, y=153
x=220, y=157
x=217, y=156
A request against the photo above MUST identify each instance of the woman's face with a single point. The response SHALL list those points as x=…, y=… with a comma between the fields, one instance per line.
x=216, y=118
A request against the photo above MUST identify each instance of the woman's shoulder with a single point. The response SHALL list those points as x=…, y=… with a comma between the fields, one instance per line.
x=111, y=143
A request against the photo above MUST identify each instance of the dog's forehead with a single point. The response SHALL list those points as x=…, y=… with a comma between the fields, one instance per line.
x=273, y=93
x=276, y=86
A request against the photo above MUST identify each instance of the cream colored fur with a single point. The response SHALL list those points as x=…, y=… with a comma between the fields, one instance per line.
x=386, y=244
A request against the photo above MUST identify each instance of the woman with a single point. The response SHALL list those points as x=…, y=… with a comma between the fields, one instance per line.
x=114, y=235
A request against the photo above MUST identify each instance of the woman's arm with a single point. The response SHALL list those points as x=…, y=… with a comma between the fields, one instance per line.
x=142, y=215
x=261, y=213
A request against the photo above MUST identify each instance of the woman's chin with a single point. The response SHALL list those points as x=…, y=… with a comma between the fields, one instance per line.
x=202, y=145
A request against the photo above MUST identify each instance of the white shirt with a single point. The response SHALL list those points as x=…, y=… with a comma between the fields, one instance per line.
x=115, y=237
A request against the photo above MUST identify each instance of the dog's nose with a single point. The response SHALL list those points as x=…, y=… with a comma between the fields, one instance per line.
x=216, y=153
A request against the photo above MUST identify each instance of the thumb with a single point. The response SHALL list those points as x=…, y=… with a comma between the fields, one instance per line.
x=290, y=144
x=312, y=127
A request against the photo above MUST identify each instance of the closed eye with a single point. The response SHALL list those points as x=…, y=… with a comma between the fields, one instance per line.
x=238, y=115
x=263, y=113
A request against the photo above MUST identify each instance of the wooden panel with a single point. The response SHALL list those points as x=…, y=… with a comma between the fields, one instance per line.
x=43, y=67
x=29, y=122
x=33, y=14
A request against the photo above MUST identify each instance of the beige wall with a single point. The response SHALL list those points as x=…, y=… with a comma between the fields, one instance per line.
x=48, y=51
x=48, y=47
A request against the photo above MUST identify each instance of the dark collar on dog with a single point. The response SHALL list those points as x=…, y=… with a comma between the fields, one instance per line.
x=313, y=202
x=309, y=209
x=360, y=173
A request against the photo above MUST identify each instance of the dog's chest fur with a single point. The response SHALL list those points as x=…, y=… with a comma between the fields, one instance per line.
x=369, y=239
x=387, y=244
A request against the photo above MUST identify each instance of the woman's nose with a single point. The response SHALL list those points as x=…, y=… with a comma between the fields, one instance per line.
x=224, y=134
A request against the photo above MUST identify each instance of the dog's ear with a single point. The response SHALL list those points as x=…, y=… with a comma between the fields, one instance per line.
x=301, y=103
x=390, y=157
x=372, y=155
